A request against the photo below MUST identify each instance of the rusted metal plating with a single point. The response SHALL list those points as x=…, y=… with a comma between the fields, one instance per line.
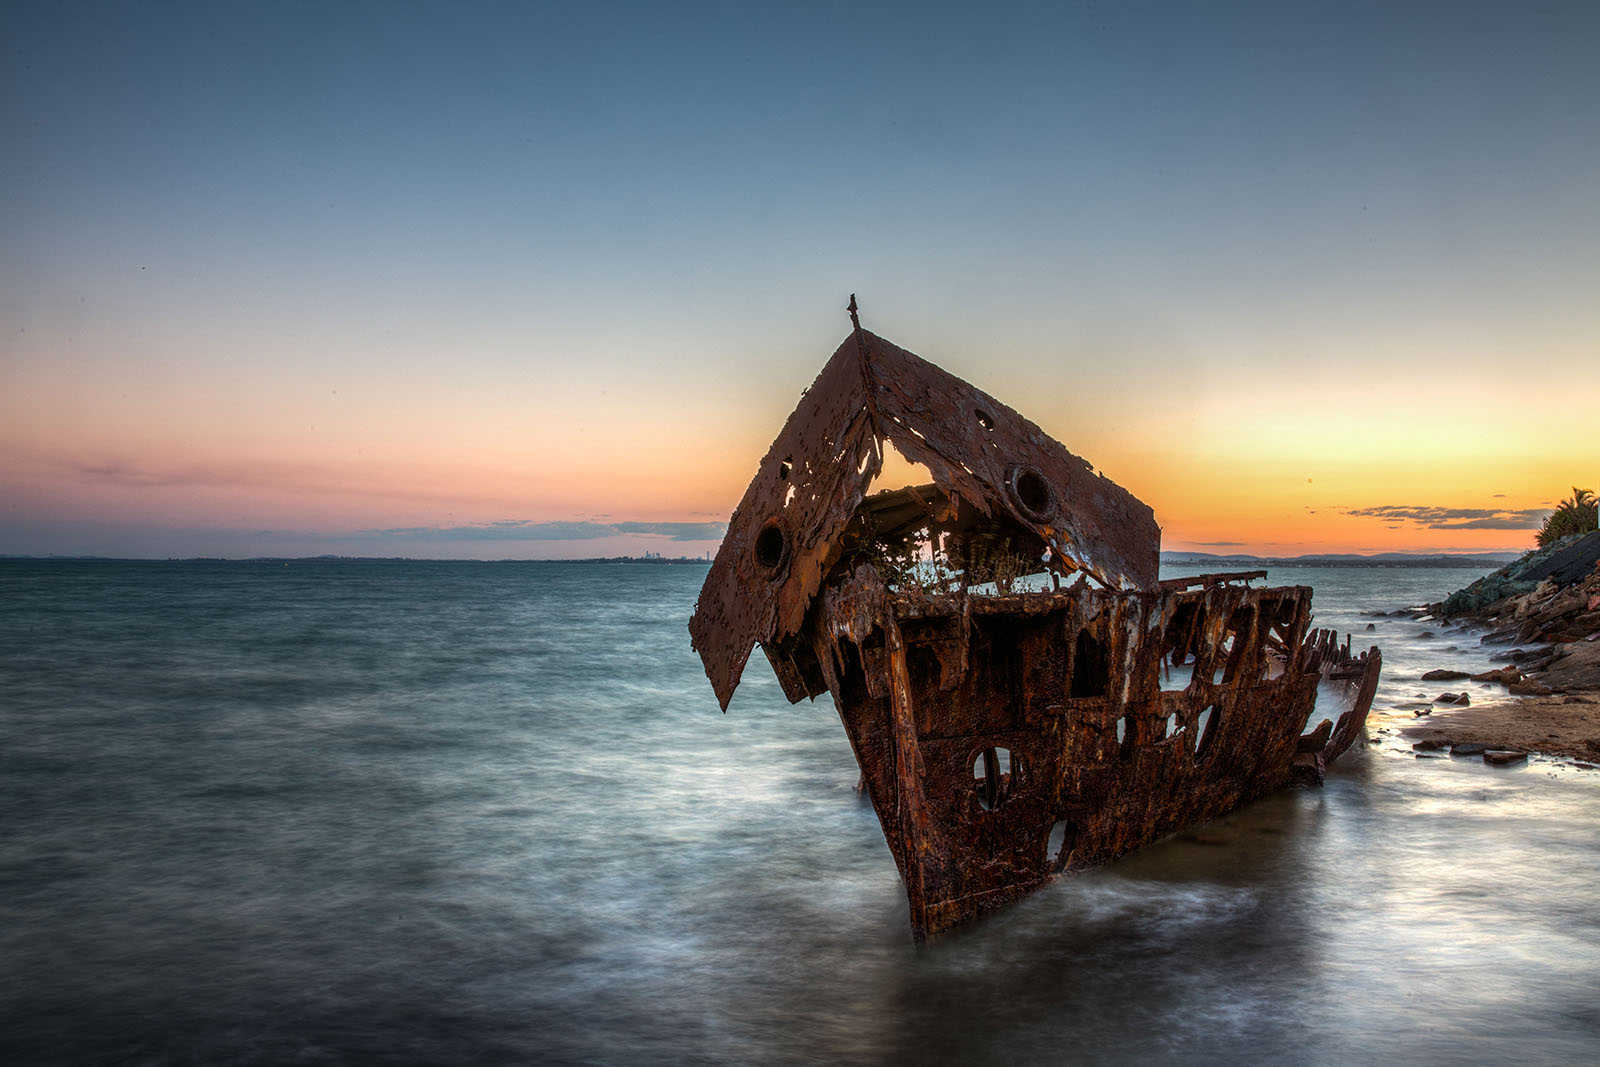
x=786, y=534
x=1008, y=729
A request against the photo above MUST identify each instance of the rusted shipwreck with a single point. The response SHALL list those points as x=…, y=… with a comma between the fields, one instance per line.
x=1022, y=693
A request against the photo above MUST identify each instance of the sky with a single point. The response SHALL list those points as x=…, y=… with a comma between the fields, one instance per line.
x=528, y=280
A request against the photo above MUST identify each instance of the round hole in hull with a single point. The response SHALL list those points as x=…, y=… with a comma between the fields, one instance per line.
x=771, y=548
x=1031, y=493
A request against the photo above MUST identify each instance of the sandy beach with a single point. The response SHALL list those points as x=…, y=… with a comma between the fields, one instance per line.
x=1567, y=725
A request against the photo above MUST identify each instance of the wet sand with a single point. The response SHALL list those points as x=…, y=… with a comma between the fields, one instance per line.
x=1558, y=725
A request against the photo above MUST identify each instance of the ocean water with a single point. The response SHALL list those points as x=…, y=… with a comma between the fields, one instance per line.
x=489, y=813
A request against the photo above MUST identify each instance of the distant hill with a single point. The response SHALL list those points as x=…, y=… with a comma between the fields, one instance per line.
x=1481, y=561
x=651, y=559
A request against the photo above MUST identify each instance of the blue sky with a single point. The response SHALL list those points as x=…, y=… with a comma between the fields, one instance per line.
x=377, y=267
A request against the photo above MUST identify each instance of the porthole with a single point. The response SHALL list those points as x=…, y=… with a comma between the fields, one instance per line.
x=771, y=548
x=1030, y=493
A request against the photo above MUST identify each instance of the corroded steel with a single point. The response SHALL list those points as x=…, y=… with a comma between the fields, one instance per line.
x=1006, y=739
x=1008, y=728
x=784, y=537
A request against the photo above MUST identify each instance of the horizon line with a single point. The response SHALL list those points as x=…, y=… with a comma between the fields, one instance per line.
x=1167, y=555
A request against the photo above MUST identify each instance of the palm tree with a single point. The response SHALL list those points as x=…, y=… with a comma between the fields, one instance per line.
x=1573, y=516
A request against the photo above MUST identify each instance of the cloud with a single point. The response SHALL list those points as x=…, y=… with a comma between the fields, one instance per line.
x=252, y=474
x=678, y=531
x=1437, y=518
x=1221, y=544
x=119, y=474
x=523, y=530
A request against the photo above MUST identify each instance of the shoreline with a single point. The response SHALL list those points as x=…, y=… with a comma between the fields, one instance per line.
x=1563, y=725
x=1549, y=599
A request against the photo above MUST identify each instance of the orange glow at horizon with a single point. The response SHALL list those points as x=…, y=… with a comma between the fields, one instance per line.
x=1221, y=480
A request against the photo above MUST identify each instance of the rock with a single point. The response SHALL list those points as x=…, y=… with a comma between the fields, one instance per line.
x=1575, y=667
x=1430, y=745
x=1500, y=757
x=1570, y=562
x=1503, y=676
x=1370, y=626
x=1583, y=766
x=1468, y=748
x=1483, y=592
x=1528, y=689
x=1455, y=700
x=1420, y=712
x=1445, y=676
x=1425, y=633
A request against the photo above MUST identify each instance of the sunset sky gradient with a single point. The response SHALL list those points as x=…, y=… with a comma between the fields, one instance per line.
x=526, y=280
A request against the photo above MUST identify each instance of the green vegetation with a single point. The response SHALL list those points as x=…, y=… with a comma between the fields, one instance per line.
x=1574, y=516
x=918, y=562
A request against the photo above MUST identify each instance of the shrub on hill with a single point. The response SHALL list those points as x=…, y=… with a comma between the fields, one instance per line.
x=1573, y=516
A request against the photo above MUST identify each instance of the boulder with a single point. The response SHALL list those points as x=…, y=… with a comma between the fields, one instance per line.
x=1562, y=564
x=1571, y=561
x=1468, y=748
x=1443, y=675
x=1456, y=700
x=1500, y=757
x=1528, y=689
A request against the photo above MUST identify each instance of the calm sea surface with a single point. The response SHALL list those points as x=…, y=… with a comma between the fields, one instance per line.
x=340, y=812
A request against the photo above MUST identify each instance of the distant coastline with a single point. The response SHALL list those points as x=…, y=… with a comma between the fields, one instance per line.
x=650, y=560
x=1483, y=561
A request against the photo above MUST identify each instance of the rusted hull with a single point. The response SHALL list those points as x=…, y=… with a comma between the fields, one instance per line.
x=1006, y=736
x=1004, y=740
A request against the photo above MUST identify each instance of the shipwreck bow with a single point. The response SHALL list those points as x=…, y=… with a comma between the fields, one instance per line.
x=1008, y=726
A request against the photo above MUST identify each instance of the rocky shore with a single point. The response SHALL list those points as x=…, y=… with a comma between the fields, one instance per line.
x=1545, y=610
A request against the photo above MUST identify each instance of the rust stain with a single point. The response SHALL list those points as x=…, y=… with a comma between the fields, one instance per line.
x=1023, y=695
